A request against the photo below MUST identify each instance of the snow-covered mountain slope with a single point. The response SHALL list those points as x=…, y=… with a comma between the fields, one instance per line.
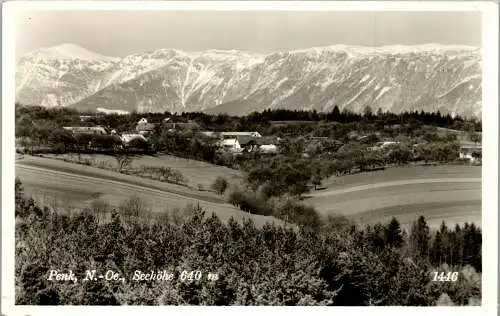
x=70, y=51
x=395, y=78
x=66, y=74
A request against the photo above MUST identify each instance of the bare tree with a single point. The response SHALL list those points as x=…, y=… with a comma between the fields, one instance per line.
x=134, y=207
x=123, y=161
x=101, y=209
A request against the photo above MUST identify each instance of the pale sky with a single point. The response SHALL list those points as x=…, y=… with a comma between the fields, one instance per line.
x=122, y=33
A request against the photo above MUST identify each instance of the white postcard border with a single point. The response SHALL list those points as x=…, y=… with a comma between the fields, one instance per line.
x=490, y=140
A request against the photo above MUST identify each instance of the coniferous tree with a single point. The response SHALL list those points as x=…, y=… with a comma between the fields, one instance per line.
x=335, y=115
x=457, y=249
x=393, y=234
x=437, y=249
x=379, y=240
x=440, y=245
x=419, y=239
x=367, y=112
x=471, y=244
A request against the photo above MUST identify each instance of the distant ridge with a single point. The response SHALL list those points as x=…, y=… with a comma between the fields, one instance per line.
x=69, y=52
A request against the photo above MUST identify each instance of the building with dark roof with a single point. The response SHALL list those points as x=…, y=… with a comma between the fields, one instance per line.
x=470, y=151
x=143, y=127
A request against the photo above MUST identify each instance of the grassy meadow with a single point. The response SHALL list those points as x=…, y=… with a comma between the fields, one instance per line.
x=450, y=193
x=63, y=185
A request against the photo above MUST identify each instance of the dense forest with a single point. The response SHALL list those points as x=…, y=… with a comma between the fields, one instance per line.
x=332, y=261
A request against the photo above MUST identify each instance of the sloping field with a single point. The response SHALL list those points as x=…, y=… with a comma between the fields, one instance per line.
x=449, y=193
x=63, y=184
x=404, y=173
x=197, y=172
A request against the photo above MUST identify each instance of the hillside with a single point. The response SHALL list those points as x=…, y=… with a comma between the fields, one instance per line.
x=394, y=78
x=451, y=193
x=66, y=185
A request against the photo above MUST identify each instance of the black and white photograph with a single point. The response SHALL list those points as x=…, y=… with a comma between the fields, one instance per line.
x=233, y=157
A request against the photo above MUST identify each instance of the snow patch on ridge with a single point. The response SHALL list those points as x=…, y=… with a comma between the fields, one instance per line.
x=465, y=80
x=366, y=77
x=108, y=111
x=367, y=51
x=382, y=91
x=279, y=83
x=357, y=95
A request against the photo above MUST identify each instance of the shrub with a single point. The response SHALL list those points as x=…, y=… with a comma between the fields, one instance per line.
x=59, y=148
x=220, y=185
x=295, y=212
x=178, y=177
x=249, y=202
x=444, y=300
x=337, y=223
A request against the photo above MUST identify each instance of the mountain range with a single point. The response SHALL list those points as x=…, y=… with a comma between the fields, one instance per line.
x=427, y=77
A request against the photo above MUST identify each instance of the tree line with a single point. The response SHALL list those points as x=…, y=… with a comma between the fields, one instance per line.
x=337, y=115
x=256, y=120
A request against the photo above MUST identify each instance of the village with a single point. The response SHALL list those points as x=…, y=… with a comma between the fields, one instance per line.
x=231, y=142
x=239, y=142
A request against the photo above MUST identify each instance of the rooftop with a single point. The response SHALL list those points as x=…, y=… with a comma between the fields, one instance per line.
x=240, y=133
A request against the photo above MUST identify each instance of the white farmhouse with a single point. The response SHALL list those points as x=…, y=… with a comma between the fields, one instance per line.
x=235, y=134
x=471, y=152
x=230, y=145
x=127, y=138
x=268, y=148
